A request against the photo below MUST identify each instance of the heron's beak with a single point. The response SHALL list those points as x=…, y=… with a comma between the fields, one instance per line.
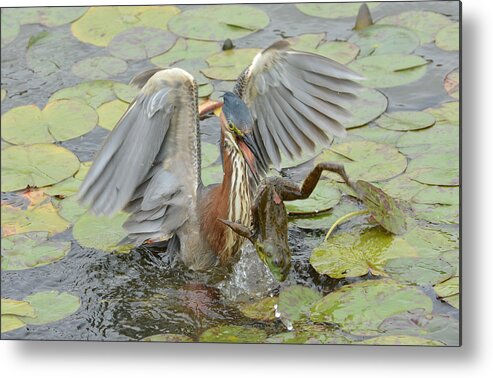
x=250, y=153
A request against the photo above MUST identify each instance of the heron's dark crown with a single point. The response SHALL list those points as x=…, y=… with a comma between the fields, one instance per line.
x=236, y=111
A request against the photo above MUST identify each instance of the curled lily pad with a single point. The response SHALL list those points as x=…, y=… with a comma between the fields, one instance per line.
x=228, y=65
x=295, y=302
x=448, y=37
x=435, y=169
x=361, y=307
x=406, y=121
x=448, y=291
x=390, y=70
x=51, y=306
x=385, y=39
x=452, y=83
x=260, y=310
x=400, y=340
x=101, y=24
x=141, y=43
x=357, y=254
x=369, y=105
x=168, y=338
x=219, y=22
x=325, y=196
x=333, y=10
x=186, y=49
x=233, y=334
x=365, y=160
x=25, y=251
x=36, y=165
x=310, y=334
x=110, y=113
x=13, y=307
x=100, y=67
x=103, y=233
x=427, y=271
x=425, y=24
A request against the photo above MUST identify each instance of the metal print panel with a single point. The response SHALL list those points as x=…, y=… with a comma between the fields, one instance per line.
x=240, y=173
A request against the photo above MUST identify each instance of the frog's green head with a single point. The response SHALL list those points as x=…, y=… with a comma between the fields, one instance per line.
x=275, y=254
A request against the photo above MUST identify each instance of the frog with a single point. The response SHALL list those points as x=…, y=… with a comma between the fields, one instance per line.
x=269, y=229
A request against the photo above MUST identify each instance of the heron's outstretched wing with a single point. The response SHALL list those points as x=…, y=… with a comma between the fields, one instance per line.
x=149, y=164
x=296, y=100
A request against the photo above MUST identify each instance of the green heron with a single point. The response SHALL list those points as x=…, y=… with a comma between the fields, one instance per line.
x=285, y=103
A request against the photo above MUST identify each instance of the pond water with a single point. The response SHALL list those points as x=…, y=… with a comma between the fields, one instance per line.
x=146, y=292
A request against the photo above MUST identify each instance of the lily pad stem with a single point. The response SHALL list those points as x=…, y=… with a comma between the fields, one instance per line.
x=343, y=219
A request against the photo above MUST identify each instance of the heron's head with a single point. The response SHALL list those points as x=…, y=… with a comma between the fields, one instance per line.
x=238, y=124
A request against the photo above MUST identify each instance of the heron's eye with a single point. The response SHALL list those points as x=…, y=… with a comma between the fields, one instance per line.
x=231, y=126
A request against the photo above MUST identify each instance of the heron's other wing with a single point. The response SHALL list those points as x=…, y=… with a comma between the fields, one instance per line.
x=148, y=165
x=297, y=99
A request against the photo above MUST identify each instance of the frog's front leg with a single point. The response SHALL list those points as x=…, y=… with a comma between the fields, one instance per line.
x=289, y=191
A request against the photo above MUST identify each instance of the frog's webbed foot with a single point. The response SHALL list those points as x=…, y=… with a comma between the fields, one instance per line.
x=238, y=228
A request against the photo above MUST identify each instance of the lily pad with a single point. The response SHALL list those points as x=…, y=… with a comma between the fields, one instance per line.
x=357, y=254
x=435, y=169
x=431, y=243
x=447, y=113
x=367, y=107
x=260, y=310
x=425, y=24
x=25, y=251
x=402, y=187
x=186, y=49
x=325, y=196
x=13, y=307
x=229, y=64
x=100, y=25
x=219, y=22
x=427, y=271
x=205, y=90
x=69, y=186
x=10, y=323
x=374, y=133
x=448, y=291
x=94, y=93
x=169, y=338
x=233, y=334
x=452, y=83
x=390, y=70
x=110, y=113
x=385, y=39
x=124, y=92
x=365, y=160
x=440, y=214
x=295, y=302
x=439, y=139
x=36, y=165
x=103, y=233
x=448, y=37
x=210, y=154
x=437, y=195
x=406, y=121
x=47, y=16
x=51, y=306
x=212, y=174
x=3, y=94
x=400, y=340
x=333, y=10
x=70, y=208
x=310, y=334
x=10, y=28
x=361, y=307
x=99, y=67
x=141, y=43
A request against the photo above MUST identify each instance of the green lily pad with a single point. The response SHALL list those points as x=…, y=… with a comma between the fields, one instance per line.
x=400, y=340
x=384, y=209
x=427, y=271
x=229, y=64
x=47, y=16
x=10, y=28
x=439, y=139
x=447, y=214
x=186, y=49
x=3, y=94
x=210, y=154
x=447, y=113
x=390, y=70
x=212, y=174
x=70, y=208
x=430, y=243
x=448, y=291
x=205, y=90
x=51, y=306
x=333, y=10
x=357, y=254
x=374, y=133
x=10, y=323
x=59, y=121
x=13, y=307
x=100, y=25
x=168, y=338
x=99, y=67
x=310, y=334
x=69, y=186
x=437, y=195
x=295, y=302
x=361, y=307
x=325, y=196
x=219, y=22
x=110, y=113
x=439, y=327
x=448, y=37
x=405, y=121
x=367, y=107
x=25, y=251
x=365, y=160
x=425, y=24
x=402, y=187
x=260, y=310
x=452, y=84
x=233, y=334
x=40, y=218
x=385, y=39
x=124, y=92
x=141, y=43
x=36, y=165
x=435, y=169
x=103, y=233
